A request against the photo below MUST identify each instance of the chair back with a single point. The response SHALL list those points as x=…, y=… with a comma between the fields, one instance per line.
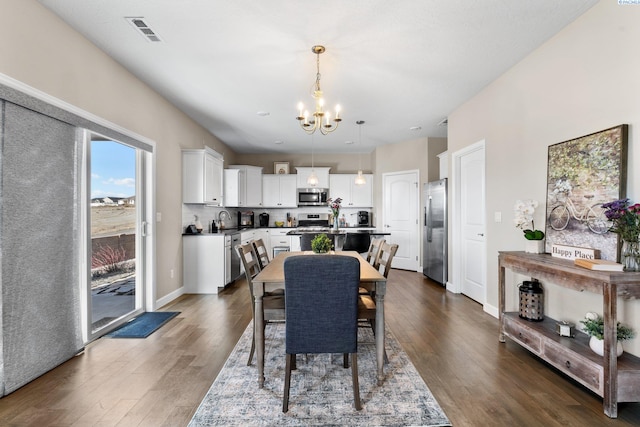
x=249, y=262
x=374, y=251
x=306, y=238
x=321, y=302
x=358, y=242
x=261, y=253
x=385, y=257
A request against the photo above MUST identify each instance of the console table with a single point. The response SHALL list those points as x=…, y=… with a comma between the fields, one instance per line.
x=614, y=379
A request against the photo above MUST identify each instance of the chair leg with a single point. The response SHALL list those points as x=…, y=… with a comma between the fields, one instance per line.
x=253, y=346
x=287, y=382
x=356, y=385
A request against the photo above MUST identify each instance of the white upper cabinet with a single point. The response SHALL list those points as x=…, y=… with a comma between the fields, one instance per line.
x=304, y=172
x=202, y=179
x=279, y=191
x=243, y=186
x=352, y=195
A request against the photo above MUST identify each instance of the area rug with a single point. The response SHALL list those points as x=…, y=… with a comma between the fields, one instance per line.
x=143, y=325
x=321, y=389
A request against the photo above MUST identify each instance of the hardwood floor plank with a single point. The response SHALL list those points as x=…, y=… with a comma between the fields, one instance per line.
x=161, y=380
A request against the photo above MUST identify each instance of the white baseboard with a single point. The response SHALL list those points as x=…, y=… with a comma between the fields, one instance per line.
x=170, y=297
x=492, y=310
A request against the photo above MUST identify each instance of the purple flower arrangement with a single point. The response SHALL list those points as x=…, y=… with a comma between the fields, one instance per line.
x=625, y=218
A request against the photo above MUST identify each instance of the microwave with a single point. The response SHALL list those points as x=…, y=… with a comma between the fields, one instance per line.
x=313, y=196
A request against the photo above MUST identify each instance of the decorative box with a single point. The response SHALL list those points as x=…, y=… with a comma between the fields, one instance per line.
x=565, y=329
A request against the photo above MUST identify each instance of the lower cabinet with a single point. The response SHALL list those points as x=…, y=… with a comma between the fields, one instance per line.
x=203, y=263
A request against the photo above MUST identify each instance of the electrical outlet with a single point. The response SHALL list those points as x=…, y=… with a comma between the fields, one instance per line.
x=171, y=273
x=497, y=216
x=158, y=216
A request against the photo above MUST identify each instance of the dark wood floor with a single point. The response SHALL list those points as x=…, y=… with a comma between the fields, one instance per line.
x=159, y=381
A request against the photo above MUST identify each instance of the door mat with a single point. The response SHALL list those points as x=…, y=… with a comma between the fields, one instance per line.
x=143, y=325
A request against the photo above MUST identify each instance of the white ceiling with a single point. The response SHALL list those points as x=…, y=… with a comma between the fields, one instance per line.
x=395, y=64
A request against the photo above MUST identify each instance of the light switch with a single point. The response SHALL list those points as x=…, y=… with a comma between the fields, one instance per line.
x=158, y=216
x=497, y=216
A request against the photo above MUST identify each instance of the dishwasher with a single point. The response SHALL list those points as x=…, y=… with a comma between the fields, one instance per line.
x=232, y=254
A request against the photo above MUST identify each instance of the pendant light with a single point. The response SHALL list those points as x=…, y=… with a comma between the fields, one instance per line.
x=312, y=179
x=360, y=179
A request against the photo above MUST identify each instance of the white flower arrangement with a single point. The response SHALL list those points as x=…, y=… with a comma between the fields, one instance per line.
x=524, y=210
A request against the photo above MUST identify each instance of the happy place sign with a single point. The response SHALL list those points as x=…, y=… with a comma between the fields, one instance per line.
x=573, y=252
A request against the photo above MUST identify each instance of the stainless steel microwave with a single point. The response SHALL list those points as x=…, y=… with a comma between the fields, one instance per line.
x=313, y=196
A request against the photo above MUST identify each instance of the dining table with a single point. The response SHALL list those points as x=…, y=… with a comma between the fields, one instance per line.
x=272, y=278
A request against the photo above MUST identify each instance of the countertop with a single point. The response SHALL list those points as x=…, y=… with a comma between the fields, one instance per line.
x=294, y=232
x=341, y=231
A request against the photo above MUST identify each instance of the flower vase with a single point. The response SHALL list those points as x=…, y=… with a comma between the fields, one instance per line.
x=597, y=345
x=534, y=246
x=631, y=255
x=335, y=223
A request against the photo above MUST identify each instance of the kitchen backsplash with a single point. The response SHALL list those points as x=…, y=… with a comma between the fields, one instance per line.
x=208, y=213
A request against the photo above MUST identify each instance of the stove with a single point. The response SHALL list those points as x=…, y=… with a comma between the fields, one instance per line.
x=314, y=229
x=313, y=222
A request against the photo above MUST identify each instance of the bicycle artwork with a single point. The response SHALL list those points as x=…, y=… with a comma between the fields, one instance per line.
x=582, y=174
x=566, y=210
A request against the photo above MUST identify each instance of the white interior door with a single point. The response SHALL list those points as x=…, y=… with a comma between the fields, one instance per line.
x=400, y=200
x=470, y=209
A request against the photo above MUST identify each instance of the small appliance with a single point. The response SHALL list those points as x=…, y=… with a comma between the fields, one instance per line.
x=264, y=219
x=245, y=219
x=313, y=196
x=364, y=219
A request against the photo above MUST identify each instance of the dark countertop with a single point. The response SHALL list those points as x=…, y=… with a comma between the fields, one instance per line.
x=342, y=231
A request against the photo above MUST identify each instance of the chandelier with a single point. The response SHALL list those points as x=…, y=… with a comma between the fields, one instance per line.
x=312, y=124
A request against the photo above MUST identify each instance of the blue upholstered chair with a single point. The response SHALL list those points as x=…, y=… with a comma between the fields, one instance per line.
x=330, y=324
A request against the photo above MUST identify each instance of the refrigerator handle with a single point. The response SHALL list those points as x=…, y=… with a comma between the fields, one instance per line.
x=427, y=219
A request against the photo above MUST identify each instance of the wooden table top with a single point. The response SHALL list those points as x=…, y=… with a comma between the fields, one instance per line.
x=274, y=271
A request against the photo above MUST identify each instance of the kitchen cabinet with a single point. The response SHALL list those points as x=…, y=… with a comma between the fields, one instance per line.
x=353, y=196
x=243, y=186
x=202, y=177
x=278, y=237
x=616, y=379
x=303, y=174
x=203, y=264
x=279, y=191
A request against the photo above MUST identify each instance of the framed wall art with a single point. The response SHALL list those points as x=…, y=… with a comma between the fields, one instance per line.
x=582, y=174
x=280, y=168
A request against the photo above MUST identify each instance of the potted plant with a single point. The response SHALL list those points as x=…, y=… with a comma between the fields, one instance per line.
x=524, y=210
x=321, y=244
x=594, y=327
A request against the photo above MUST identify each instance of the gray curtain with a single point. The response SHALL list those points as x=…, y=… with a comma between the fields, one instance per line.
x=39, y=245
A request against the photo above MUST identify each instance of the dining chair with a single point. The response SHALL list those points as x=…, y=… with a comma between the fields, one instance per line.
x=261, y=252
x=272, y=303
x=374, y=251
x=367, y=302
x=330, y=324
x=306, y=238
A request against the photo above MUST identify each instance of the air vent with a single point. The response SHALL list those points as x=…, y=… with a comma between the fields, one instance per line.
x=443, y=122
x=143, y=28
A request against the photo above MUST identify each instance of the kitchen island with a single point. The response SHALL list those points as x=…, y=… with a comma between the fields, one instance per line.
x=348, y=239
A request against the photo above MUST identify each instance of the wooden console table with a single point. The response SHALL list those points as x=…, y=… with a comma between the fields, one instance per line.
x=615, y=379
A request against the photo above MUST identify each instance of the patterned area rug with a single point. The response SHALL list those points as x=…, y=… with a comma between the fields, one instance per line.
x=321, y=389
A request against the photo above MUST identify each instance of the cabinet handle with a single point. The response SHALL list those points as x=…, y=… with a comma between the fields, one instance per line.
x=567, y=364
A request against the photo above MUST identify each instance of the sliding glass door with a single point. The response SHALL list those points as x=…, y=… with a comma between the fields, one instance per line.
x=117, y=231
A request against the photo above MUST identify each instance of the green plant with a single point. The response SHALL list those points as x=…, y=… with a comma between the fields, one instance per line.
x=594, y=326
x=321, y=243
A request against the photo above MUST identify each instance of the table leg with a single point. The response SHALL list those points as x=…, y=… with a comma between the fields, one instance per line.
x=258, y=290
x=380, y=332
x=501, y=300
x=610, y=308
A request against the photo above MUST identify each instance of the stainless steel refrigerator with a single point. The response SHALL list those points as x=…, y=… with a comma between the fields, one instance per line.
x=434, y=238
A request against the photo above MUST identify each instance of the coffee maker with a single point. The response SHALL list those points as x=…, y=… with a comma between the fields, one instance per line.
x=364, y=219
x=264, y=219
x=245, y=219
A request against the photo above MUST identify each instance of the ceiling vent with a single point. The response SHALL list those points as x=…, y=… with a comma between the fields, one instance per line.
x=443, y=122
x=143, y=28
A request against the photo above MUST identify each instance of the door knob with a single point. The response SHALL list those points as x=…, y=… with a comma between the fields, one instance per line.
x=480, y=234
